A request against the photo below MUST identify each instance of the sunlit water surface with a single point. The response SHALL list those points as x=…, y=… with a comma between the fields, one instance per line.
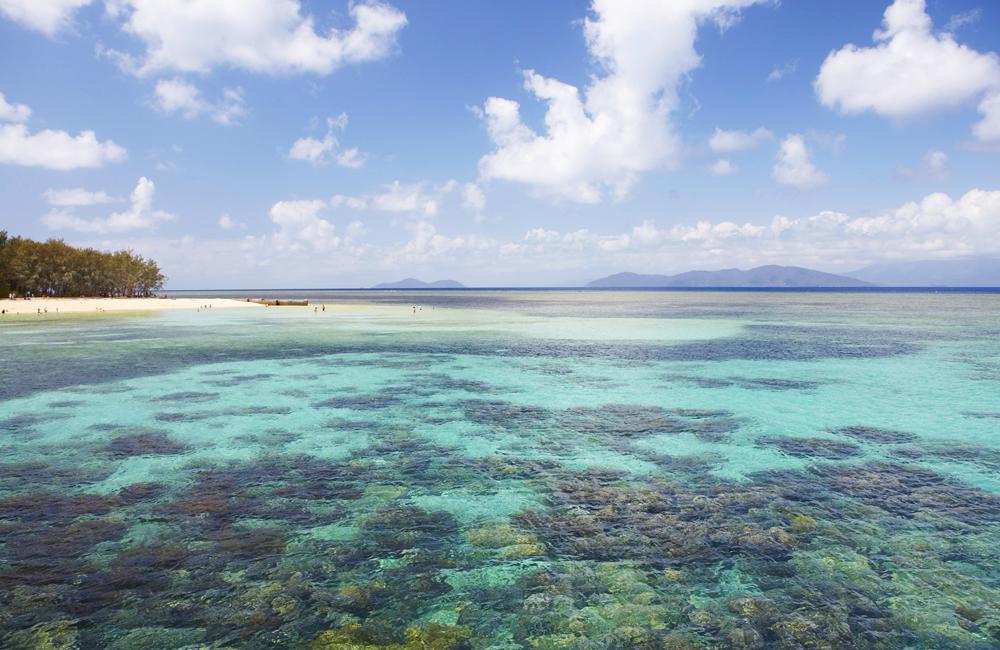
x=506, y=470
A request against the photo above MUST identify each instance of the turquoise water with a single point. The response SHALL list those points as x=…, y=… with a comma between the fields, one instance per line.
x=506, y=470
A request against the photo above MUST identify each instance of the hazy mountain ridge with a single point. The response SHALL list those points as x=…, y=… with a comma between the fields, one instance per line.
x=760, y=277
x=968, y=272
x=413, y=283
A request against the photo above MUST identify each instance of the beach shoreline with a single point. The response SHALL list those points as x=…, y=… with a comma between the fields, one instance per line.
x=53, y=306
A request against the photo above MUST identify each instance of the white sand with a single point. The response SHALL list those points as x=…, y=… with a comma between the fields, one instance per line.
x=97, y=305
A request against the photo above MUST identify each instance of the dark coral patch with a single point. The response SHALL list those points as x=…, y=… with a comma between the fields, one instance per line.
x=749, y=383
x=53, y=507
x=502, y=413
x=246, y=411
x=372, y=402
x=876, y=435
x=908, y=491
x=185, y=396
x=138, y=492
x=811, y=447
x=143, y=443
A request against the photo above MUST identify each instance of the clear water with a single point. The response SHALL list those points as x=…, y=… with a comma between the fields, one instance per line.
x=506, y=470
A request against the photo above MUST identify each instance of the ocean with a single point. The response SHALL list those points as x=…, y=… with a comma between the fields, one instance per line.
x=506, y=469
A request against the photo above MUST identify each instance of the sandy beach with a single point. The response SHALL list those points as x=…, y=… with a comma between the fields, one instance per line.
x=96, y=305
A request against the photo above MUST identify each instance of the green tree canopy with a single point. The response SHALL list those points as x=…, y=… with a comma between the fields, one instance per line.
x=54, y=268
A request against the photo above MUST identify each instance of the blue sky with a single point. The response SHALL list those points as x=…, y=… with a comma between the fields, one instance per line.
x=280, y=143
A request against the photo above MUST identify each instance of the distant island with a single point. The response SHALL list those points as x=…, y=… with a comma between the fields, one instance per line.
x=413, y=283
x=966, y=272
x=760, y=277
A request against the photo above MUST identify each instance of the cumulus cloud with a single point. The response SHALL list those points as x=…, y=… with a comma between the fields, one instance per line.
x=139, y=216
x=726, y=141
x=55, y=149
x=226, y=222
x=934, y=166
x=301, y=228
x=50, y=148
x=76, y=196
x=909, y=71
x=987, y=130
x=13, y=112
x=318, y=152
x=602, y=138
x=794, y=167
x=46, y=16
x=473, y=197
x=179, y=96
x=268, y=36
x=723, y=167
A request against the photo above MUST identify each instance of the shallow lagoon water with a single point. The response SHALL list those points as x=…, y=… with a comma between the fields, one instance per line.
x=506, y=470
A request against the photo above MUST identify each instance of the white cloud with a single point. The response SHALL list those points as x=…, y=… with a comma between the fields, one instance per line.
x=46, y=16
x=405, y=198
x=780, y=72
x=473, y=197
x=139, y=216
x=269, y=36
x=963, y=19
x=725, y=141
x=618, y=127
x=722, y=167
x=910, y=70
x=179, y=96
x=55, y=149
x=413, y=198
x=318, y=152
x=937, y=226
x=298, y=251
x=76, y=196
x=226, y=222
x=311, y=150
x=13, y=112
x=988, y=129
x=934, y=166
x=301, y=227
x=793, y=166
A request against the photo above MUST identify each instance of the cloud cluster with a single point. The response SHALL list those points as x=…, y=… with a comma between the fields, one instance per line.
x=910, y=71
x=600, y=140
x=267, y=36
x=306, y=245
x=139, y=216
x=318, y=152
x=413, y=198
x=180, y=96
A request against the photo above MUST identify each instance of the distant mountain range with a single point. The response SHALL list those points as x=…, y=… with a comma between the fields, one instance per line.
x=413, y=283
x=760, y=277
x=969, y=272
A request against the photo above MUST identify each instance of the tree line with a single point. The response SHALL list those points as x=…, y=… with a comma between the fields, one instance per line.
x=54, y=268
